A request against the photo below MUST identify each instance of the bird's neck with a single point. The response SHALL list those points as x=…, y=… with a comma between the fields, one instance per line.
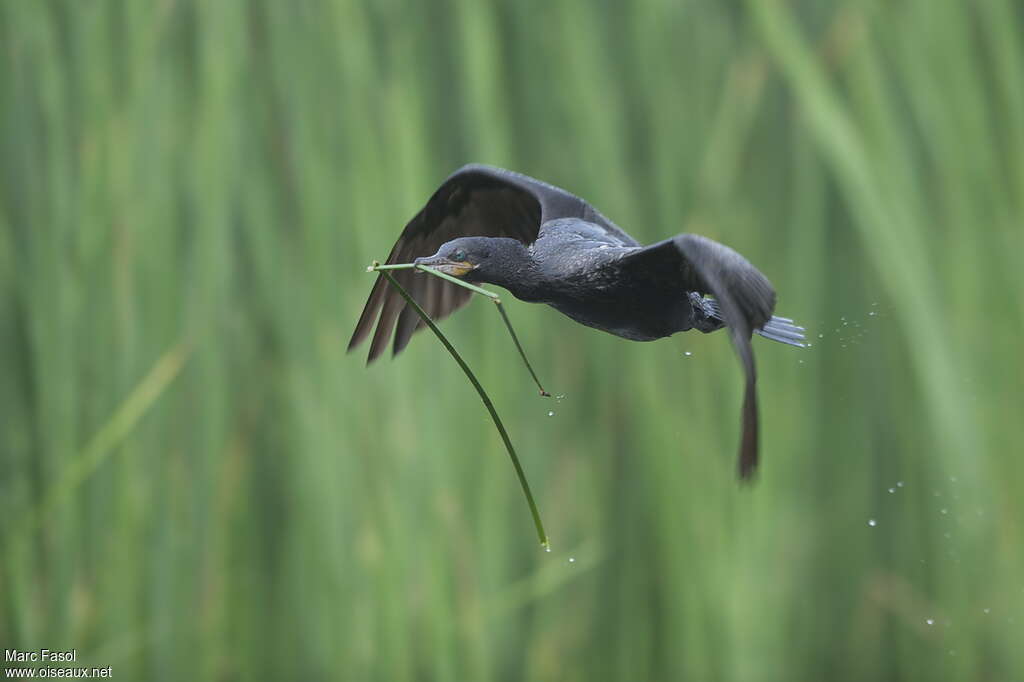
x=514, y=268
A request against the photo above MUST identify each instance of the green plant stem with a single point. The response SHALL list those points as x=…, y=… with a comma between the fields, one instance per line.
x=393, y=266
x=501, y=309
x=541, y=533
x=479, y=290
x=455, y=280
x=522, y=353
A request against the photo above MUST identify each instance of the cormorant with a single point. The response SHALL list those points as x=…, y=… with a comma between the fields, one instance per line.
x=545, y=245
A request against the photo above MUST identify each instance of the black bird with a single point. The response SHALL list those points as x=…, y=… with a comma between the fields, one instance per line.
x=545, y=245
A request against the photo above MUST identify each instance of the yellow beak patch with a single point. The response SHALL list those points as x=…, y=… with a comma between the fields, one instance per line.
x=458, y=269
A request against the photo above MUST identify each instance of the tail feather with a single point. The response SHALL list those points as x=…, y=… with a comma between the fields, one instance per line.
x=781, y=329
x=784, y=331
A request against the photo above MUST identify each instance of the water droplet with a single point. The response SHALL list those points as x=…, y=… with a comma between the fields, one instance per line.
x=943, y=511
x=547, y=548
x=809, y=345
x=892, y=490
x=799, y=362
x=688, y=354
x=899, y=484
x=873, y=313
x=986, y=610
x=929, y=621
x=572, y=560
x=551, y=413
x=872, y=522
x=821, y=336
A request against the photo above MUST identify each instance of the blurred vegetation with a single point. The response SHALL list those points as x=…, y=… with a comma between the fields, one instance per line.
x=199, y=484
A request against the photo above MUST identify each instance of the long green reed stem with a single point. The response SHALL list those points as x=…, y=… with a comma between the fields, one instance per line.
x=541, y=533
x=501, y=309
x=519, y=347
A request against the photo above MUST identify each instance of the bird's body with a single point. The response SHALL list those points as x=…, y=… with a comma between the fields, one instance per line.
x=545, y=245
x=578, y=272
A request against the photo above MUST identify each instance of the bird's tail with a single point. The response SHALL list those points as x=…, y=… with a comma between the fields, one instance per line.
x=781, y=329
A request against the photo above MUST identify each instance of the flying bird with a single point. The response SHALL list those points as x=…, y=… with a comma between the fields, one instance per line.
x=545, y=245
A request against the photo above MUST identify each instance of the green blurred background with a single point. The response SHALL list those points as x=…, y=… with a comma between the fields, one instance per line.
x=199, y=484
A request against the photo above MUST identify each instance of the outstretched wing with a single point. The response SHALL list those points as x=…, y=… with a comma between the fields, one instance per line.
x=745, y=298
x=475, y=201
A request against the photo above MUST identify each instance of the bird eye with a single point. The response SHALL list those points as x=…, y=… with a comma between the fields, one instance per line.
x=459, y=255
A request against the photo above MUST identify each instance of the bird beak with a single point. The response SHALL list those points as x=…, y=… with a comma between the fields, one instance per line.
x=447, y=266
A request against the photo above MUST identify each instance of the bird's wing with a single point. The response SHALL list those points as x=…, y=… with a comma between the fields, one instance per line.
x=475, y=201
x=558, y=203
x=745, y=298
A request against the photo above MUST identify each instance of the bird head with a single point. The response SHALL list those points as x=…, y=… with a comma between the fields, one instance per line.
x=458, y=257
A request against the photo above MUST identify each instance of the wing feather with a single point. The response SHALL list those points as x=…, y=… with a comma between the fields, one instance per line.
x=745, y=298
x=475, y=201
